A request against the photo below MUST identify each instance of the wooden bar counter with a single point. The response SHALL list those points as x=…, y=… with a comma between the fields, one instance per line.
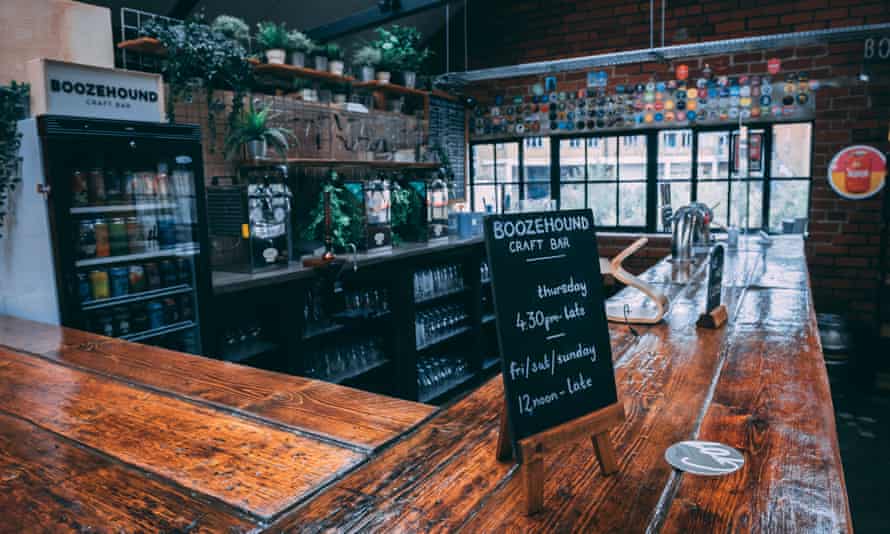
x=104, y=435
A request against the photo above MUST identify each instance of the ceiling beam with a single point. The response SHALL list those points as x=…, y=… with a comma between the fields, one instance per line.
x=182, y=9
x=375, y=16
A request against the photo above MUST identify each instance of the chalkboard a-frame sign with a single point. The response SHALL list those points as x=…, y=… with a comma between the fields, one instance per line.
x=553, y=336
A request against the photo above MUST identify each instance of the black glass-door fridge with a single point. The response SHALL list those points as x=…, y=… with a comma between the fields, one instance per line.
x=128, y=223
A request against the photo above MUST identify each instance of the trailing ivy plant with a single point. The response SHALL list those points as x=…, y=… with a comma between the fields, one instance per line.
x=195, y=52
x=13, y=107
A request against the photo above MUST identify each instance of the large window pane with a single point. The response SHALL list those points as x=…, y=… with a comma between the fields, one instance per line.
x=601, y=199
x=508, y=162
x=713, y=155
x=483, y=163
x=537, y=159
x=681, y=195
x=485, y=199
x=632, y=157
x=571, y=160
x=571, y=196
x=791, y=150
x=675, y=154
x=788, y=199
x=537, y=196
x=750, y=210
x=508, y=196
x=602, y=159
x=715, y=195
x=632, y=204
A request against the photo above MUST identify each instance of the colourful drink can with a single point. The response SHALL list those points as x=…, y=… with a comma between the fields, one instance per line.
x=99, y=284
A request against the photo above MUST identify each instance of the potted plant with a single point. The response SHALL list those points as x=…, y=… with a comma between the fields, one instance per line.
x=400, y=47
x=300, y=45
x=14, y=104
x=366, y=58
x=321, y=58
x=231, y=27
x=335, y=58
x=273, y=40
x=307, y=92
x=251, y=130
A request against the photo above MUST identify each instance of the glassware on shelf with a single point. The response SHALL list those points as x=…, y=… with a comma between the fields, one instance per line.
x=433, y=325
x=440, y=373
x=484, y=272
x=431, y=283
x=345, y=359
x=367, y=302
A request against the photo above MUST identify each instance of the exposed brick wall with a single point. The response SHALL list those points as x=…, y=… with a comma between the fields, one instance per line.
x=504, y=32
x=842, y=249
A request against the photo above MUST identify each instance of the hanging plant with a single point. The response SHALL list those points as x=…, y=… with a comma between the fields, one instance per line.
x=13, y=108
x=198, y=56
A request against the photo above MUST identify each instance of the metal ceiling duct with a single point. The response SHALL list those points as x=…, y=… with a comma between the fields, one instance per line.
x=725, y=46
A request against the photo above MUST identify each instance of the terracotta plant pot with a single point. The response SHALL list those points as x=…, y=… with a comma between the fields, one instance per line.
x=383, y=76
x=336, y=67
x=276, y=56
x=298, y=59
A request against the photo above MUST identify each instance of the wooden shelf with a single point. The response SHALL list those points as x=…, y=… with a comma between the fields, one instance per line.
x=312, y=162
x=143, y=45
x=447, y=96
x=391, y=88
x=291, y=71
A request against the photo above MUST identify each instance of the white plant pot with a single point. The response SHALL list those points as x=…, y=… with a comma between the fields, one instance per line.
x=336, y=67
x=298, y=59
x=308, y=95
x=276, y=56
x=339, y=98
x=367, y=74
x=321, y=63
x=383, y=76
x=409, y=78
x=257, y=149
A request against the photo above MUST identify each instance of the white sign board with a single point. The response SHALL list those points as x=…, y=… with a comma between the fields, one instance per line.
x=60, y=88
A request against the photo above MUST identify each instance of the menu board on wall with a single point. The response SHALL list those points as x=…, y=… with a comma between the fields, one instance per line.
x=551, y=320
x=448, y=129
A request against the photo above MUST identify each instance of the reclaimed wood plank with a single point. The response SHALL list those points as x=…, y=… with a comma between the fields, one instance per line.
x=360, y=419
x=773, y=403
x=249, y=466
x=48, y=484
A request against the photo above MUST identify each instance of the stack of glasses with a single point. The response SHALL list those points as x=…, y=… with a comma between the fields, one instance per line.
x=430, y=283
x=437, y=372
x=344, y=359
x=438, y=323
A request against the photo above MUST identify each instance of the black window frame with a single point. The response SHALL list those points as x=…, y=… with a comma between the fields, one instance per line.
x=652, y=181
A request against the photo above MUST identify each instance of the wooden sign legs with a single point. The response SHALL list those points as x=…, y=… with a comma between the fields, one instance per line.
x=715, y=319
x=533, y=448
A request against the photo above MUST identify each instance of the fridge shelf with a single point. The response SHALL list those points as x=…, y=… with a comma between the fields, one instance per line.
x=451, y=334
x=349, y=374
x=122, y=208
x=155, y=332
x=189, y=249
x=441, y=295
x=136, y=297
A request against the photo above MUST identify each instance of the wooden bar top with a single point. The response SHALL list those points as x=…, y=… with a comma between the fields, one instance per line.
x=758, y=384
x=109, y=436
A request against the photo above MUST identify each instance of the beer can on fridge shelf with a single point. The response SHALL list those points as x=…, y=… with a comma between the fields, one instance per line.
x=135, y=235
x=103, y=245
x=103, y=324
x=149, y=224
x=186, y=307
x=86, y=240
x=169, y=275
x=139, y=317
x=155, y=314
x=137, y=278
x=152, y=276
x=121, y=319
x=117, y=237
x=185, y=270
x=119, y=281
x=190, y=341
x=171, y=311
x=99, y=284
x=79, y=189
x=166, y=231
x=128, y=186
x=113, y=186
x=96, y=182
x=145, y=187
x=84, y=292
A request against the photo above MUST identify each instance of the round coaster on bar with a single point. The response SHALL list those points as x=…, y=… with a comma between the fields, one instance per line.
x=704, y=458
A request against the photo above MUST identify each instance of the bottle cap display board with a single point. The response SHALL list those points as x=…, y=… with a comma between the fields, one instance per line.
x=553, y=336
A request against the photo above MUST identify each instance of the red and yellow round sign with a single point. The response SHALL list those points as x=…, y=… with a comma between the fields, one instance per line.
x=857, y=172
